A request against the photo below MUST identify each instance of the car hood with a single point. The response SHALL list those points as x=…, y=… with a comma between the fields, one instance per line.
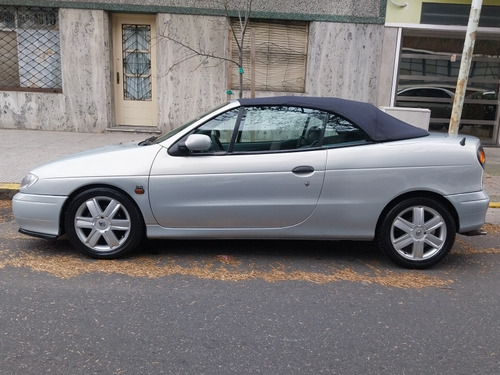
x=116, y=160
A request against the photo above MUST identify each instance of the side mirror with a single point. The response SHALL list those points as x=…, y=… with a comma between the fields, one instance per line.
x=198, y=142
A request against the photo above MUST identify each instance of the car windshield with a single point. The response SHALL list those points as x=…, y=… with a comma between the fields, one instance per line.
x=182, y=127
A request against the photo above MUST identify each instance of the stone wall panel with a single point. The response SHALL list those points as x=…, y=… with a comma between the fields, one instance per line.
x=344, y=60
x=85, y=102
x=189, y=82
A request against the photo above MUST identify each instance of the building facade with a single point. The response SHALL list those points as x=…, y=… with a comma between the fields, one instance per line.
x=143, y=65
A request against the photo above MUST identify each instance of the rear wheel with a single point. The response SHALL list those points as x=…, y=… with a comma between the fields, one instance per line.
x=417, y=233
x=104, y=223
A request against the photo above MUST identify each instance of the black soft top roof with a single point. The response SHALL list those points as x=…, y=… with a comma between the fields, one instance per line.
x=377, y=124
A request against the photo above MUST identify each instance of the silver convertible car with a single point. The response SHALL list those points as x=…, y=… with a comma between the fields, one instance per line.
x=267, y=168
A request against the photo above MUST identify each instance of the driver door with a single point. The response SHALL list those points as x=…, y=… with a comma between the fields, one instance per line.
x=261, y=176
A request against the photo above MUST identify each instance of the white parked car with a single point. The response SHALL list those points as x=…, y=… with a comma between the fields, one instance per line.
x=437, y=99
x=269, y=168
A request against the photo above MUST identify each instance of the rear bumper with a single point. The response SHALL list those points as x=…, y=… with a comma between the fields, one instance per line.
x=471, y=209
x=38, y=215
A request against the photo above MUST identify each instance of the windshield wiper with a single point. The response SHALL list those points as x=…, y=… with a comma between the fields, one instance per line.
x=148, y=141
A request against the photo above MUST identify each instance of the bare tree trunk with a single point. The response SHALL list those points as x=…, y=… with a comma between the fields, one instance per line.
x=252, y=63
x=241, y=41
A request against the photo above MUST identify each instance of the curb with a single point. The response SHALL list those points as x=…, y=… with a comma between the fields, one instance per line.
x=8, y=190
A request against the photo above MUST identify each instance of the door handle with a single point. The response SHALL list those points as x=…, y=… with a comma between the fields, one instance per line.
x=303, y=169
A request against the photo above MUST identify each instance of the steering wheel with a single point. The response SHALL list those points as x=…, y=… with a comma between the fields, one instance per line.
x=216, y=144
x=301, y=141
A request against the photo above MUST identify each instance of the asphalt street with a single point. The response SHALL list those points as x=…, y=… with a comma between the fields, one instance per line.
x=239, y=307
x=246, y=307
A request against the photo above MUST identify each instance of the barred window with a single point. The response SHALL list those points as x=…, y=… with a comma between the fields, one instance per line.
x=30, y=57
x=280, y=55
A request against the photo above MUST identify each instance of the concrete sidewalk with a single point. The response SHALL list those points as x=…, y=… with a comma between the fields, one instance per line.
x=22, y=150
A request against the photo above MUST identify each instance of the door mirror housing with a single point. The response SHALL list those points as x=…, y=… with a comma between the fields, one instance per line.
x=198, y=142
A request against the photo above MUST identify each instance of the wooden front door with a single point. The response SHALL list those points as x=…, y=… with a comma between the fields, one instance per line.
x=135, y=70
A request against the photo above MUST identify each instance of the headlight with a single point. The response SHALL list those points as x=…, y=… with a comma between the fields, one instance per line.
x=27, y=181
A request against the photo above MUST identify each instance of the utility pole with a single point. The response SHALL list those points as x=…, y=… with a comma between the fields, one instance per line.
x=463, y=75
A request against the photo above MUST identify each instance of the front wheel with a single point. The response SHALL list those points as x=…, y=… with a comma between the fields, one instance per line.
x=417, y=233
x=104, y=223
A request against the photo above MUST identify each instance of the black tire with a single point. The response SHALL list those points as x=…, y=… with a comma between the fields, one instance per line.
x=104, y=223
x=417, y=233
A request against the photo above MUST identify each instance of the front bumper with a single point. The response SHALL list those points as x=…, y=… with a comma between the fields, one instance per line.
x=38, y=215
x=471, y=209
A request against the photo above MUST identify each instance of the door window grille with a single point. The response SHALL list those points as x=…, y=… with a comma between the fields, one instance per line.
x=137, y=62
x=30, y=57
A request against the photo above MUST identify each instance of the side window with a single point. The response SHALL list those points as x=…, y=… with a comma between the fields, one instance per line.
x=279, y=128
x=220, y=129
x=342, y=132
x=411, y=92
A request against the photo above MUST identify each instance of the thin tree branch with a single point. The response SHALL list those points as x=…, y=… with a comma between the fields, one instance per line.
x=199, y=53
x=208, y=55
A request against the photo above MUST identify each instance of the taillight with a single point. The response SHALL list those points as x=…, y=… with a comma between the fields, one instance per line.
x=481, y=156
